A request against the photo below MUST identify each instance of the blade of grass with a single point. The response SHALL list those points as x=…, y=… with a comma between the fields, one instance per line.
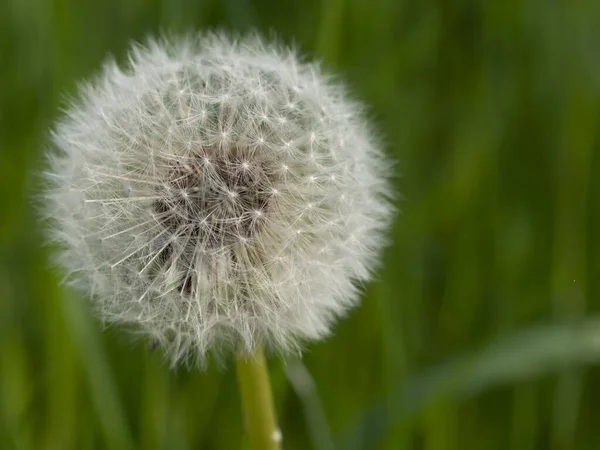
x=329, y=35
x=314, y=415
x=521, y=356
x=102, y=387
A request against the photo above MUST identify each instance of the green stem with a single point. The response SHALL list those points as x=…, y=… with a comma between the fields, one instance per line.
x=257, y=402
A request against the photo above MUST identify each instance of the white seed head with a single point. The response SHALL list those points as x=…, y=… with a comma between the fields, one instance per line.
x=217, y=194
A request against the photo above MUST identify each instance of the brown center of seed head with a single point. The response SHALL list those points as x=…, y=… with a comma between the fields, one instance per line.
x=210, y=202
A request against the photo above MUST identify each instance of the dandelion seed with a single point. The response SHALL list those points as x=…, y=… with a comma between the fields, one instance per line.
x=179, y=225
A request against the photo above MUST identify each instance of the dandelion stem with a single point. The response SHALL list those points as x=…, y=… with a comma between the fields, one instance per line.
x=257, y=402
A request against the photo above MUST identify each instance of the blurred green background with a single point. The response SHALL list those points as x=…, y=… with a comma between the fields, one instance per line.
x=480, y=330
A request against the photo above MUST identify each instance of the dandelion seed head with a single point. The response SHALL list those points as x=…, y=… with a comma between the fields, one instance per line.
x=216, y=194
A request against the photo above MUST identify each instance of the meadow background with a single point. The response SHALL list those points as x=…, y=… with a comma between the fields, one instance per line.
x=482, y=329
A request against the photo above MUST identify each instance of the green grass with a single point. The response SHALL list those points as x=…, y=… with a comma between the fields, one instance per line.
x=481, y=329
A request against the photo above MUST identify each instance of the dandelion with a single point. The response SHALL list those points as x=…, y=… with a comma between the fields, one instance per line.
x=217, y=195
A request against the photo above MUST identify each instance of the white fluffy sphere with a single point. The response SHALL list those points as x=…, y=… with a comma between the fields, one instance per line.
x=217, y=194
